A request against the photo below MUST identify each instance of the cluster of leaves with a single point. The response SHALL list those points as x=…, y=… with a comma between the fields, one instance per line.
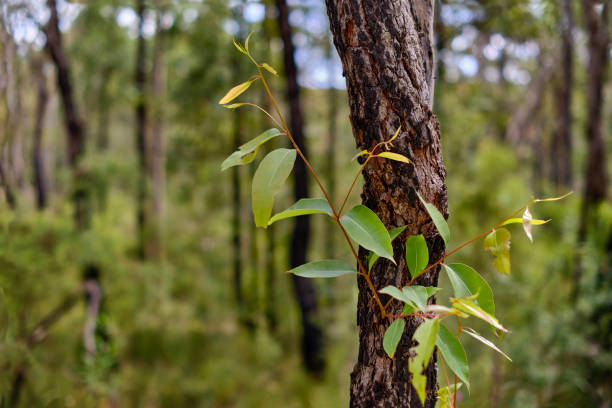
x=473, y=296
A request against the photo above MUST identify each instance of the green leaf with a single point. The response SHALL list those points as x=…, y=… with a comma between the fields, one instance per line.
x=268, y=68
x=445, y=395
x=267, y=182
x=361, y=153
x=520, y=221
x=304, y=206
x=247, y=152
x=425, y=335
x=395, y=293
x=393, y=335
x=416, y=296
x=235, y=92
x=469, y=307
x=246, y=42
x=484, y=341
x=467, y=282
x=453, y=354
x=498, y=244
x=394, y=156
x=417, y=254
x=438, y=220
x=239, y=47
x=323, y=269
x=394, y=233
x=234, y=105
x=368, y=231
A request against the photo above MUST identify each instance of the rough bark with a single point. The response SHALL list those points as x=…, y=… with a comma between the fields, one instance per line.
x=72, y=120
x=386, y=48
x=561, y=146
x=40, y=180
x=312, y=338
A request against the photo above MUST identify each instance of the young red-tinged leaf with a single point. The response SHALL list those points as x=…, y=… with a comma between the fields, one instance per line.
x=425, y=335
x=394, y=156
x=268, y=68
x=364, y=226
x=267, y=182
x=484, y=341
x=453, y=354
x=394, y=233
x=323, y=269
x=472, y=308
x=235, y=92
x=417, y=254
x=393, y=335
x=438, y=220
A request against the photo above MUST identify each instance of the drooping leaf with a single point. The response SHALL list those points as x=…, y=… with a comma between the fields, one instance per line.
x=425, y=335
x=393, y=335
x=235, y=92
x=367, y=230
x=542, y=200
x=267, y=182
x=473, y=309
x=417, y=254
x=268, y=68
x=453, y=354
x=239, y=47
x=498, y=244
x=323, y=269
x=467, y=282
x=394, y=233
x=438, y=220
x=484, y=341
x=395, y=134
x=247, y=152
x=305, y=206
x=394, y=156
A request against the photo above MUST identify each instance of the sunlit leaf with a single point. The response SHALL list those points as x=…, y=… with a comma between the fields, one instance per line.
x=234, y=105
x=323, y=269
x=520, y=221
x=305, y=206
x=542, y=200
x=417, y=254
x=239, y=47
x=267, y=182
x=473, y=309
x=235, y=92
x=438, y=220
x=367, y=230
x=395, y=134
x=393, y=335
x=425, y=335
x=268, y=68
x=440, y=309
x=467, y=282
x=361, y=153
x=483, y=340
x=453, y=354
x=498, y=244
x=394, y=233
x=394, y=156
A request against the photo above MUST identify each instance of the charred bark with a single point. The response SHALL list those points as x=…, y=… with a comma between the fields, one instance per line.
x=386, y=48
x=312, y=336
x=561, y=146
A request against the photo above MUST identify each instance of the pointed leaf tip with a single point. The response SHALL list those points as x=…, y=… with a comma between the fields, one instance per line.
x=235, y=92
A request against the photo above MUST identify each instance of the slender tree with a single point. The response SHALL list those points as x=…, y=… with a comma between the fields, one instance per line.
x=386, y=48
x=40, y=180
x=312, y=337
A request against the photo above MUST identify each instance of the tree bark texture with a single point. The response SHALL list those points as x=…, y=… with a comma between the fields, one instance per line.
x=386, y=48
x=312, y=338
x=40, y=180
x=561, y=146
x=74, y=126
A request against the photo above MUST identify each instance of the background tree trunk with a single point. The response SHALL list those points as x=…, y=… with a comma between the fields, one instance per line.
x=40, y=181
x=312, y=337
x=386, y=48
x=561, y=146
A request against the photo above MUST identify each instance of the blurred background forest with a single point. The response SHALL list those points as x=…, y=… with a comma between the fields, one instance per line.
x=131, y=274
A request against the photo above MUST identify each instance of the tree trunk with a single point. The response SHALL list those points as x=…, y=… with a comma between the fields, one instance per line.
x=386, y=48
x=142, y=215
x=561, y=146
x=40, y=181
x=74, y=127
x=312, y=338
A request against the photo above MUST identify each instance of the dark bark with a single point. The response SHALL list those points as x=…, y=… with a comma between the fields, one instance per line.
x=142, y=142
x=312, y=336
x=40, y=181
x=72, y=121
x=386, y=48
x=561, y=145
